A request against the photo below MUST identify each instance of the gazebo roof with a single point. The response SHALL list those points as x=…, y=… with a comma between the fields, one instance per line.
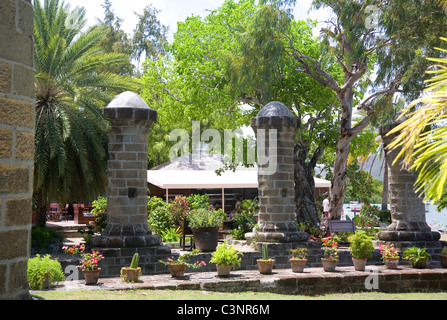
x=198, y=172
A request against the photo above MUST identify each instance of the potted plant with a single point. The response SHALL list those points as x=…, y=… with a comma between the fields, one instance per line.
x=42, y=272
x=89, y=263
x=361, y=247
x=205, y=224
x=177, y=266
x=226, y=257
x=133, y=272
x=443, y=257
x=330, y=259
x=298, y=259
x=390, y=255
x=418, y=257
x=265, y=264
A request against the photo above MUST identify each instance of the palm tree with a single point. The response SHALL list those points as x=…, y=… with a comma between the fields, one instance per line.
x=70, y=140
x=423, y=135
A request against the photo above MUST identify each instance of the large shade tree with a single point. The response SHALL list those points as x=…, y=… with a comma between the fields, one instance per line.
x=387, y=40
x=214, y=75
x=70, y=138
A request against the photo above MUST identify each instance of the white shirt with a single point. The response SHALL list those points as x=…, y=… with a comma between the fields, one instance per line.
x=326, y=205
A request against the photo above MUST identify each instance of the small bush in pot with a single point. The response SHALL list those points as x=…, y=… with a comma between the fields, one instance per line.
x=361, y=247
x=42, y=272
x=298, y=259
x=226, y=257
x=418, y=257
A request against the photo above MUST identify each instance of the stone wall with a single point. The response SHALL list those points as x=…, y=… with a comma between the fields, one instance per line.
x=16, y=145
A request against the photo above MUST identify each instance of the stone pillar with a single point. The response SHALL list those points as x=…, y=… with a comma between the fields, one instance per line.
x=275, y=128
x=408, y=222
x=16, y=145
x=131, y=120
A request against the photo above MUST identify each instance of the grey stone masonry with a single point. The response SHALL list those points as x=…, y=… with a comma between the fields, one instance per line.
x=131, y=119
x=275, y=128
x=408, y=221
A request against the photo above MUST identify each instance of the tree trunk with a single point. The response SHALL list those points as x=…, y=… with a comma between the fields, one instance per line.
x=41, y=209
x=306, y=209
x=339, y=179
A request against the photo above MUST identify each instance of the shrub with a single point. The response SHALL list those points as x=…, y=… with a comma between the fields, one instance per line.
x=226, y=255
x=206, y=218
x=41, y=237
x=160, y=220
x=361, y=245
x=43, y=272
x=243, y=222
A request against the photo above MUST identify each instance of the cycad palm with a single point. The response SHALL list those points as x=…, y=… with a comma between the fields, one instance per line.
x=70, y=141
x=423, y=135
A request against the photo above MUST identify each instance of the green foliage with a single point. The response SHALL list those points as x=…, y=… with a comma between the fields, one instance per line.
x=197, y=201
x=361, y=245
x=226, y=255
x=154, y=203
x=135, y=259
x=171, y=235
x=299, y=253
x=70, y=154
x=100, y=213
x=243, y=222
x=416, y=256
x=179, y=209
x=159, y=220
x=44, y=271
x=206, y=218
x=361, y=186
x=41, y=237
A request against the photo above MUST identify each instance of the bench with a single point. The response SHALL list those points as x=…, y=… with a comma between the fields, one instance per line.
x=341, y=225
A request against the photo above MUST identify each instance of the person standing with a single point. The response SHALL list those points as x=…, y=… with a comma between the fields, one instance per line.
x=326, y=206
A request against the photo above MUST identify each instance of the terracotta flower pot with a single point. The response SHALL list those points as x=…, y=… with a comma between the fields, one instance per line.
x=91, y=276
x=443, y=260
x=265, y=266
x=223, y=271
x=177, y=270
x=329, y=264
x=421, y=264
x=359, y=263
x=391, y=263
x=130, y=274
x=298, y=265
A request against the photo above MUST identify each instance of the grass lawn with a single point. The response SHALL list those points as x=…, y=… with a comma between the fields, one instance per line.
x=207, y=295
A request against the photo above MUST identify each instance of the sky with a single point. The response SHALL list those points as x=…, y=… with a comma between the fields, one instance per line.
x=172, y=11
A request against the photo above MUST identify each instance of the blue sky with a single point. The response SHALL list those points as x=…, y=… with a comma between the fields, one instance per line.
x=172, y=11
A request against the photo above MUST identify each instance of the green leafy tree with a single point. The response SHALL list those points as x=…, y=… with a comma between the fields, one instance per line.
x=70, y=138
x=222, y=74
x=115, y=40
x=375, y=43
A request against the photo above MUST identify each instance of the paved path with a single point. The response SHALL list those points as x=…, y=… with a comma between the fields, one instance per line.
x=312, y=281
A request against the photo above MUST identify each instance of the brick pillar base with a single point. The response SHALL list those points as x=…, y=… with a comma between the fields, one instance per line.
x=408, y=222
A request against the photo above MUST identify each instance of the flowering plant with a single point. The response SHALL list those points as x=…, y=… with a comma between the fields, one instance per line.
x=330, y=247
x=183, y=259
x=89, y=261
x=388, y=251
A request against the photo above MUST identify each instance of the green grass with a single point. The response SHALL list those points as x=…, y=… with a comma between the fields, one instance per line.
x=207, y=295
